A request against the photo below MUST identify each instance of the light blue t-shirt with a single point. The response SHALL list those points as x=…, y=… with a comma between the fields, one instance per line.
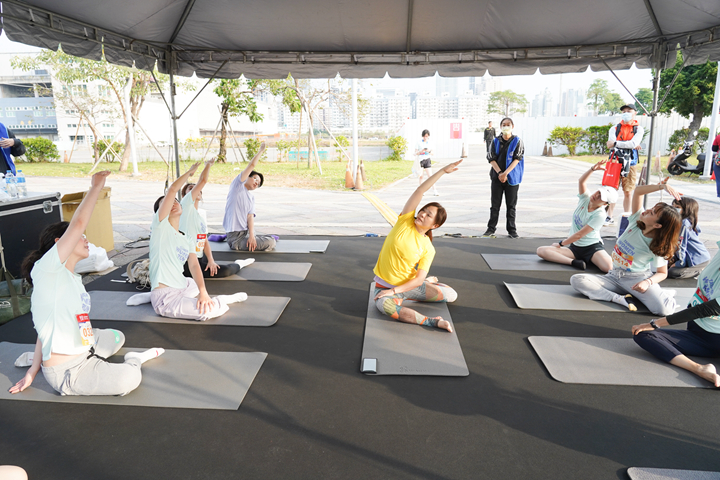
x=422, y=145
x=632, y=250
x=240, y=203
x=708, y=288
x=169, y=250
x=193, y=225
x=60, y=306
x=582, y=217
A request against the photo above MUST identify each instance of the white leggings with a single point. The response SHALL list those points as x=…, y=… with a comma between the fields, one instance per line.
x=181, y=303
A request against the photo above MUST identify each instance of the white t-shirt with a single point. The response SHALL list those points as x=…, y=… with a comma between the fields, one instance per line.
x=240, y=203
x=60, y=307
x=632, y=250
x=708, y=289
x=422, y=145
x=169, y=250
x=582, y=217
x=193, y=225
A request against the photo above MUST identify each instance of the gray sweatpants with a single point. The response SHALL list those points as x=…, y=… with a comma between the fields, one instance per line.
x=238, y=241
x=93, y=376
x=605, y=287
x=182, y=303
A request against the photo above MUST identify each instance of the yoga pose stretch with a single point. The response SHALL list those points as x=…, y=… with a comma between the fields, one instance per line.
x=583, y=244
x=194, y=227
x=72, y=353
x=405, y=258
x=239, y=220
x=691, y=256
x=173, y=295
x=650, y=238
x=702, y=337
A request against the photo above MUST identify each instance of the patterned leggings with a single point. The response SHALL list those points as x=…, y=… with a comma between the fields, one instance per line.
x=427, y=292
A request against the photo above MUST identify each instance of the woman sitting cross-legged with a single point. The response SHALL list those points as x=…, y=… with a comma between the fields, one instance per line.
x=650, y=238
x=405, y=258
x=702, y=337
x=691, y=256
x=583, y=244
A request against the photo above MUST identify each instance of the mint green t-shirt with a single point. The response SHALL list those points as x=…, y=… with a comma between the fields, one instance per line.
x=192, y=224
x=708, y=288
x=169, y=250
x=60, y=307
x=632, y=250
x=582, y=217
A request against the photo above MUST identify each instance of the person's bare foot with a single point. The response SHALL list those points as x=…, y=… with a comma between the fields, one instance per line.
x=444, y=324
x=708, y=372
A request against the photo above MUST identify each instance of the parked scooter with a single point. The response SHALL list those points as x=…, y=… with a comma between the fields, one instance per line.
x=680, y=165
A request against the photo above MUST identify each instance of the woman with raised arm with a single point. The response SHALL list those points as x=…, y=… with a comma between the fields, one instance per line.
x=70, y=352
x=173, y=295
x=650, y=238
x=702, y=337
x=405, y=258
x=691, y=256
x=583, y=244
x=194, y=227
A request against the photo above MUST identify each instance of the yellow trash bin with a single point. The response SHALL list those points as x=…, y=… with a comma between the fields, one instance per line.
x=99, y=231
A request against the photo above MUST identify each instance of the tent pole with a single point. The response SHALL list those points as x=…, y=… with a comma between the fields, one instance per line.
x=713, y=126
x=354, y=131
x=653, y=114
x=174, y=118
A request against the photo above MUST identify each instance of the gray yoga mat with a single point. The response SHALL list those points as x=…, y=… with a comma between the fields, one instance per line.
x=269, y=272
x=253, y=312
x=282, y=246
x=406, y=349
x=176, y=379
x=564, y=297
x=610, y=361
x=636, y=473
x=503, y=261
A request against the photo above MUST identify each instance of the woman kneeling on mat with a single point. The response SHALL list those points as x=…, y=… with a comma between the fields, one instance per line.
x=702, y=337
x=405, y=258
x=583, y=244
x=172, y=294
x=650, y=238
x=194, y=227
x=72, y=353
x=691, y=256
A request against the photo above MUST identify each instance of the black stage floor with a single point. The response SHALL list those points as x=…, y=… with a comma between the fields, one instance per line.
x=311, y=414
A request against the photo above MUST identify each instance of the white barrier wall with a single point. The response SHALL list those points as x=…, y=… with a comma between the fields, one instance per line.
x=442, y=131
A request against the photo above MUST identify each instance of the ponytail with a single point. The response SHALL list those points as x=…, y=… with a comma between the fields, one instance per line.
x=47, y=241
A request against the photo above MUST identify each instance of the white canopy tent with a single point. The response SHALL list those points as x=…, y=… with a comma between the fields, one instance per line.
x=361, y=39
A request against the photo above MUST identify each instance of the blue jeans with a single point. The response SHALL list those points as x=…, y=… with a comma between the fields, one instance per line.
x=716, y=171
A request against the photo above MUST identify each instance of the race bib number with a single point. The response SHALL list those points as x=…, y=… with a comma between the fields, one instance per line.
x=622, y=260
x=200, y=243
x=86, y=332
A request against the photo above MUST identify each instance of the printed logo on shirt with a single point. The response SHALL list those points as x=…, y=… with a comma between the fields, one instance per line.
x=182, y=254
x=579, y=224
x=85, y=299
x=621, y=259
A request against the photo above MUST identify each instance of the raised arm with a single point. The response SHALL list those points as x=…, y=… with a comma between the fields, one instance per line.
x=80, y=220
x=204, y=176
x=417, y=195
x=167, y=202
x=582, y=182
x=643, y=190
x=251, y=166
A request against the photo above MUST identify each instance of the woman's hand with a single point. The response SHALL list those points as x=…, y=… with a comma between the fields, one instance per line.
x=451, y=167
x=432, y=280
x=25, y=382
x=191, y=171
x=599, y=166
x=669, y=189
x=204, y=303
x=98, y=180
x=556, y=245
x=251, y=243
x=642, y=286
x=213, y=267
x=388, y=292
x=643, y=327
x=210, y=162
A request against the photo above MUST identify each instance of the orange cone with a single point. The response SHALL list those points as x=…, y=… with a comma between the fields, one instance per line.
x=359, y=182
x=362, y=171
x=464, y=152
x=348, y=178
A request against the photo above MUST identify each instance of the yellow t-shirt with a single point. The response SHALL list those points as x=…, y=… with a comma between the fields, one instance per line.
x=403, y=250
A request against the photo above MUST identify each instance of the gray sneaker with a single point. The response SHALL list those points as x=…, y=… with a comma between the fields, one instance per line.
x=608, y=222
x=489, y=234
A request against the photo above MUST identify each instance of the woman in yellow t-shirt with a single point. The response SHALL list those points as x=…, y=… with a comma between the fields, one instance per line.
x=405, y=258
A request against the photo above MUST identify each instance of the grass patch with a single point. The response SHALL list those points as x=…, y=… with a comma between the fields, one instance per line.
x=379, y=174
x=686, y=177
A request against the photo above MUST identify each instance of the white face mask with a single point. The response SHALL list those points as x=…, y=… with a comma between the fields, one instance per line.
x=506, y=129
x=626, y=117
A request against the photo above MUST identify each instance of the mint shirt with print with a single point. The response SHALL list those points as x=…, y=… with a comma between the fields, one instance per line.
x=632, y=250
x=582, y=217
x=708, y=288
x=169, y=250
x=192, y=224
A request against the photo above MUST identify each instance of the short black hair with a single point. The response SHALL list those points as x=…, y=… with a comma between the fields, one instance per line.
x=425, y=132
x=262, y=179
x=156, y=207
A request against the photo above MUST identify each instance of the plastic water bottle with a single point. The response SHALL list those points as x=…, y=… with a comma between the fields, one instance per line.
x=21, y=184
x=11, y=184
x=3, y=187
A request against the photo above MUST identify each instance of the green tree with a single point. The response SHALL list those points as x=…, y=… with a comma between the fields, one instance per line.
x=597, y=92
x=398, y=145
x=678, y=137
x=40, y=149
x=237, y=99
x=507, y=102
x=341, y=141
x=252, y=146
x=692, y=94
x=612, y=103
x=568, y=136
x=283, y=146
x=644, y=96
x=596, y=137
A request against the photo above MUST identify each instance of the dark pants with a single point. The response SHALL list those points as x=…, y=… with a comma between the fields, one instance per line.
x=687, y=272
x=668, y=344
x=497, y=190
x=488, y=144
x=716, y=171
x=222, y=272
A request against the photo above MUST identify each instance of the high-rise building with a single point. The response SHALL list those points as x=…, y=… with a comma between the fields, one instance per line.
x=446, y=85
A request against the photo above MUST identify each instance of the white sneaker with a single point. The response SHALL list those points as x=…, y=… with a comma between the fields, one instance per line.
x=245, y=263
x=25, y=360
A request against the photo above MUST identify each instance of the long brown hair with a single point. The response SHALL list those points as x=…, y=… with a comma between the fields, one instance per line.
x=47, y=241
x=690, y=209
x=440, y=217
x=666, y=238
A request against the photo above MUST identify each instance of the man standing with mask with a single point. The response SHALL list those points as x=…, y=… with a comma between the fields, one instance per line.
x=626, y=136
x=489, y=136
